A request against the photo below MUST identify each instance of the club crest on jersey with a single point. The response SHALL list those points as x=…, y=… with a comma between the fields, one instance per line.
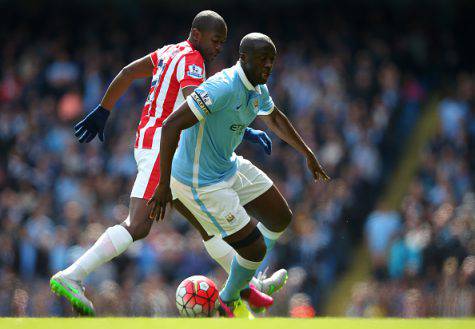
x=256, y=103
x=195, y=71
x=230, y=217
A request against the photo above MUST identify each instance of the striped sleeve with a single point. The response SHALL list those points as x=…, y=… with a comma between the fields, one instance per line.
x=190, y=70
x=154, y=57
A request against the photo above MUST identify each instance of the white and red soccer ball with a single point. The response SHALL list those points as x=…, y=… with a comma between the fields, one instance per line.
x=197, y=296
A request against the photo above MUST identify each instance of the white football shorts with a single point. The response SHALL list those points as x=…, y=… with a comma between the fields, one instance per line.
x=148, y=175
x=219, y=207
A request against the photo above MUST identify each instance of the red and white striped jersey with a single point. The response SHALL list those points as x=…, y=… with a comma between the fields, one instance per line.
x=174, y=68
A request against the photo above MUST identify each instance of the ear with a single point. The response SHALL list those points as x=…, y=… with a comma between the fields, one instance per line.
x=196, y=34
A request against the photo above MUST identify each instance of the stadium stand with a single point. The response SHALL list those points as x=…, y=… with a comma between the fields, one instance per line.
x=425, y=265
x=353, y=90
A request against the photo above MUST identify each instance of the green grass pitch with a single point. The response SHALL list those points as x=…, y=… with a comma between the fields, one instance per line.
x=263, y=323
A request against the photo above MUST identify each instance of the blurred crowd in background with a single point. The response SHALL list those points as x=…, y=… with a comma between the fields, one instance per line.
x=423, y=255
x=353, y=91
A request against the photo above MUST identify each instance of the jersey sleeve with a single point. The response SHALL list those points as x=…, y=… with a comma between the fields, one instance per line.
x=267, y=104
x=210, y=97
x=190, y=70
x=154, y=57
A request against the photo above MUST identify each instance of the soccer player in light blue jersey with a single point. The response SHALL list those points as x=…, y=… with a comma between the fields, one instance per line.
x=222, y=190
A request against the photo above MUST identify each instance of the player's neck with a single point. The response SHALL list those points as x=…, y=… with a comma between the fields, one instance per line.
x=248, y=76
x=193, y=44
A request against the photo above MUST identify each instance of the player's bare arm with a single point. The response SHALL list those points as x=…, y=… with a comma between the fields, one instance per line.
x=281, y=126
x=187, y=91
x=138, y=69
x=179, y=120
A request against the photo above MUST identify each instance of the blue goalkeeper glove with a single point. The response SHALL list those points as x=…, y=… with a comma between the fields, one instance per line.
x=258, y=137
x=93, y=124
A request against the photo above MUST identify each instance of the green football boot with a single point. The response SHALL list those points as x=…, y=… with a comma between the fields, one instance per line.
x=73, y=291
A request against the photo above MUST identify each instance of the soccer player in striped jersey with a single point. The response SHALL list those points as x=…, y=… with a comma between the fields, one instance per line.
x=176, y=70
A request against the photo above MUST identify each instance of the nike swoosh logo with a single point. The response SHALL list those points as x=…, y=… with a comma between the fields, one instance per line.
x=74, y=290
x=271, y=289
x=237, y=108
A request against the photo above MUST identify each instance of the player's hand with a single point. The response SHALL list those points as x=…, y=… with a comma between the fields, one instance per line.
x=316, y=168
x=92, y=125
x=258, y=137
x=158, y=202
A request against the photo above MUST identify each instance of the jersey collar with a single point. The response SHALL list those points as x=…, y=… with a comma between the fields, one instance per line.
x=189, y=43
x=245, y=80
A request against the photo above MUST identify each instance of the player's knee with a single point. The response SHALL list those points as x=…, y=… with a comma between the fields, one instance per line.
x=287, y=217
x=138, y=229
x=255, y=254
x=261, y=249
x=140, y=233
x=254, y=250
x=284, y=220
x=205, y=236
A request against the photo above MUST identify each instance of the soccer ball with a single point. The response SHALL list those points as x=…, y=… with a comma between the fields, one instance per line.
x=197, y=296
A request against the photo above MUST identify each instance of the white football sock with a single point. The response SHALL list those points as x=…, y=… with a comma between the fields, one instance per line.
x=114, y=241
x=222, y=253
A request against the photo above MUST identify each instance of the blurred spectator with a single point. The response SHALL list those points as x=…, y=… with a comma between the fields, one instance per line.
x=381, y=228
x=301, y=307
x=341, y=82
x=431, y=260
x=364, y=302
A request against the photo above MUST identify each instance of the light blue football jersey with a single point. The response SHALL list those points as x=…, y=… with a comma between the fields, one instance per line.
x=225, y=105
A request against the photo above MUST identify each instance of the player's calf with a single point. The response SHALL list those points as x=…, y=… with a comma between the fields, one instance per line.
x=251, y=250
x=242, y=270
x=138, y=224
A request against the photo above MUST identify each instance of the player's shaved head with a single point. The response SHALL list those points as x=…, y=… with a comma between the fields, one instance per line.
x=208, y=20
x=208, y=34
x=256, y=55
x=255, y=41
